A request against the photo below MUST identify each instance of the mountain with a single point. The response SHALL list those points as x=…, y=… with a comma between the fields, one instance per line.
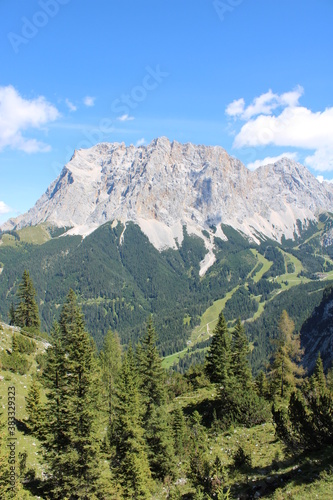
x=165, y=186
x=178, y=231
x=317, y=333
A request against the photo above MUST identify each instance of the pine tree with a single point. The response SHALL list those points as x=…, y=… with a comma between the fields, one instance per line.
x=218, y=362
x=70, y=442
x=130, y=462
x=34, y=409
x=26, y=314
x=318, y=380
x=110, y=361
x=155, y=419
x=329, y=380
x=199, y=465
x=151, y=371
x=12, y=314
x=15, y=344
x=240, y=351
x=179, y=429
x=261, y=385
x=285, y=369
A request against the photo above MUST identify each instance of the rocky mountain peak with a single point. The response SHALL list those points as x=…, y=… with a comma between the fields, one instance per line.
x=166, y=185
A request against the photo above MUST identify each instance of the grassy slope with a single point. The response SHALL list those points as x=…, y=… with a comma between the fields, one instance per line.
x=274, y=473
x=210, y=317
x=25, y=442
x=36, y=235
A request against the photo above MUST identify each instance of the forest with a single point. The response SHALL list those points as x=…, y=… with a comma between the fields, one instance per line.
x=113, y=423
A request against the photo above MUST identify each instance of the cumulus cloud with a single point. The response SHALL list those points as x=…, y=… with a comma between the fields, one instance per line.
x=320, y=178
x=140, y=142
x=70, y=105
x=18, y=114
x=290, y=126
x=89, y=101
x=322, y=159
x=236, y=107
x=125, y=118
x=4, y=209
x=271, y=159
x=264, y=104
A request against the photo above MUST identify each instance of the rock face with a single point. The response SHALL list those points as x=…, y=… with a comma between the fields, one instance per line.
x=164, y=186
x=317, y=333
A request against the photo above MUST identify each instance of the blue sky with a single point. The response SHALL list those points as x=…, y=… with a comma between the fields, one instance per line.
x=254, y=76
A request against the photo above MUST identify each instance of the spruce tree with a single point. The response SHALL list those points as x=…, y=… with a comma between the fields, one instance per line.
x=285, y=369
x=240, y=351
x=34, y=409
x=130, y=461
x=218, y=362
x=318, y=380
x=26, y=314
x=155, y=419
x=12, y=314
x=261, y=385
x=15, y=344
x=71, y=443
x=110, y=362
x=151, y=371
x=179, y=429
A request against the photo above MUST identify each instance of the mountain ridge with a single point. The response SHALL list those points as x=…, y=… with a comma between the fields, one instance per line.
x=165, y=186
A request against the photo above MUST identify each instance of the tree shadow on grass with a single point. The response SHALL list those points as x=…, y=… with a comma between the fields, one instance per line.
x=22, y=426
x=303, y=468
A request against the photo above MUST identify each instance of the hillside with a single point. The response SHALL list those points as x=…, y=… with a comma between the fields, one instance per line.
x=272, y=472
x=121, y=280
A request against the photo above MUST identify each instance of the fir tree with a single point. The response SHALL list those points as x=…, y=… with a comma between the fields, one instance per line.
x=34, y=409
x=130, y=462
x=26, y=314
x=70, y=442
x=329, y=380
x=15, y=344
x=155, y=419
x=110, y=361
x=199, y=465
x=218, y=362
x=318, y=380
x=261, y=385
x=12, y=314
x=151, y=371
x=285, y=369
x=240, y=351
x=179, y=429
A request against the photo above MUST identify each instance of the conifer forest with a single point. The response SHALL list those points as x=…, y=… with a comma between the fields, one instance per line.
x=116, y=423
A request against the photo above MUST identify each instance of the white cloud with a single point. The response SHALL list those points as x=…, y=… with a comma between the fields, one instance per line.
x=70, y=105
x=125, y=118
x=236, y=107
x=264, y=104
x=4, y=209
x=322, y=159
x=140, y=142
x=271, y=159
x=89, y=101
x=18, y=114
x=293, y=126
